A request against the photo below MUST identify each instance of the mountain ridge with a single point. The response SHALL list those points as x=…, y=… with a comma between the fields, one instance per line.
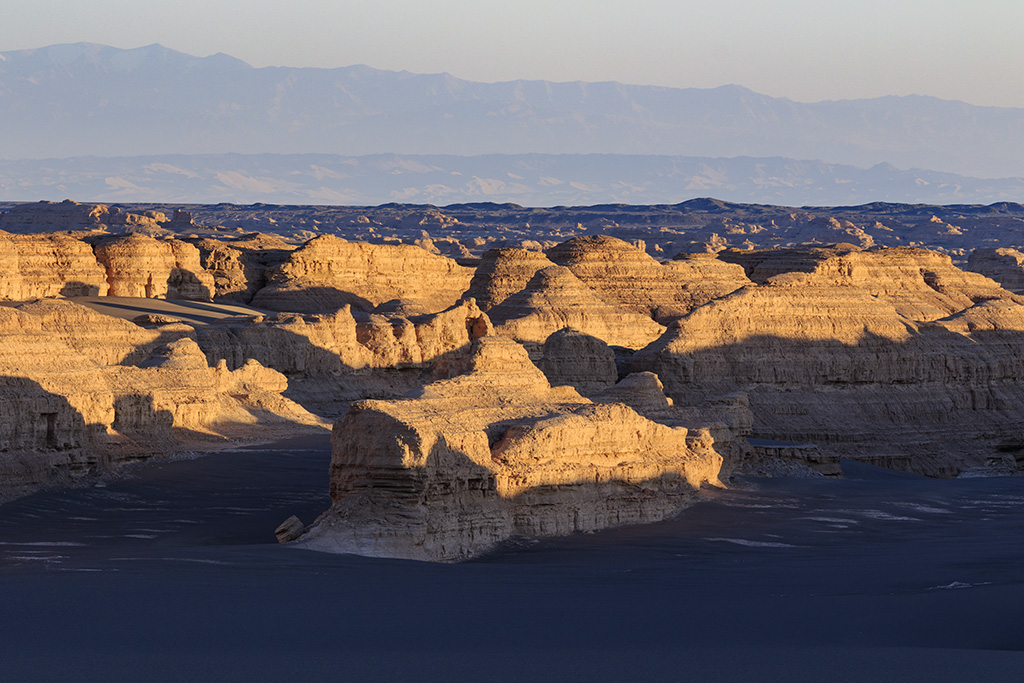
x=97, y=100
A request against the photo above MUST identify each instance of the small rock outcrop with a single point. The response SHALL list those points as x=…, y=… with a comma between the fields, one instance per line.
x=498, y=452
x=572, y=358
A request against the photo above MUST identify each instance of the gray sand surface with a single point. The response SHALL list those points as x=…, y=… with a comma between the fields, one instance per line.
x=198, y=312
x=174, y=574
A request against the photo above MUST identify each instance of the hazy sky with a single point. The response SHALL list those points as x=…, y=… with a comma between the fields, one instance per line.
x=807, y=50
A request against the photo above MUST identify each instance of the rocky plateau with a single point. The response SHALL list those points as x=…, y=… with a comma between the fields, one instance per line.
x=494, y=371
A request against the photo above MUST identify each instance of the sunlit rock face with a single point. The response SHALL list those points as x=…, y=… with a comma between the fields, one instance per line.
x=329, y=272
x=141, y=266
x=498, y=452
x=503, y=272
x=84, y=392
x=40, y=266
x=894, y=355
x=554, y=298
x=333, y=358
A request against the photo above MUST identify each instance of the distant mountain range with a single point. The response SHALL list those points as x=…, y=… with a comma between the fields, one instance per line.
x=76, y=100
x=527, y=179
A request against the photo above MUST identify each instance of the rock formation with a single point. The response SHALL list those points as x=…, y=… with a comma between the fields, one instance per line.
x=890, y=355
x=498, y=452
x=922, y=285
x=332, y=358
x=45, y=217
x=328, y=273
x=554, y=298
x=84, y=392
x=141, y=266
x=701, y=278
x=880, y=355
x=620, y=272
x=239, y=266
x=571, y=358
x=40, y=266
x=1005, y=266
x=503, y=272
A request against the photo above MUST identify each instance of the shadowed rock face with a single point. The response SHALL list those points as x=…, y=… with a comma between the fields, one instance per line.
x=498, y=452
x=572, y=358
x=239, y=266
x=1005, y=266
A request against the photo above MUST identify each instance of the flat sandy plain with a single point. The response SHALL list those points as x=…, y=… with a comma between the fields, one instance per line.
x=172, y=573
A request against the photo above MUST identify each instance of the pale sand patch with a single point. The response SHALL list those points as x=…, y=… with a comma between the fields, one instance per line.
x=194, y=312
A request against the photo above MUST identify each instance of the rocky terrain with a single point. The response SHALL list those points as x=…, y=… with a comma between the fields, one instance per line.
x=468, y=230
x=534, y=379
x=498, y=452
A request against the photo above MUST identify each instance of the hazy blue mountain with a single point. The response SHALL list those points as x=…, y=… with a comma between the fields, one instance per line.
x=84, y=99
x=530, y=179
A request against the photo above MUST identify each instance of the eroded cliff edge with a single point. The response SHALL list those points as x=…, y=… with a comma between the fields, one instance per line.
x=498, y=452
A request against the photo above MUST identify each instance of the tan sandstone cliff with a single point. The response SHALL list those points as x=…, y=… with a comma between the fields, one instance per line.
x=84, y=392
x=498, y=452
x=141, y=266
x=893, y=356
x=328, y=272
x=38, y=266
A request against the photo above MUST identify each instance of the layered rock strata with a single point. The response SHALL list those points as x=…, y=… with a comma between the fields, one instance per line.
x=883, y=356
x=554, y=298
x=239, y=267
x=622, y=273
x=504, y=272
x=920, y=284
x=1005, y=266
x=498, y=452
x=333, y=358
x=141, y=266
x=39, y=266
x=328, y=272
x=84, y=392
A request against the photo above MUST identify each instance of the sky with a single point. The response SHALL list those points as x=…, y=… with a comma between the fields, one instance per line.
x=807, y=50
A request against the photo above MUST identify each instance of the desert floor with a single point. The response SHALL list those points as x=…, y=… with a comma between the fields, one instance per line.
x=173, y=573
